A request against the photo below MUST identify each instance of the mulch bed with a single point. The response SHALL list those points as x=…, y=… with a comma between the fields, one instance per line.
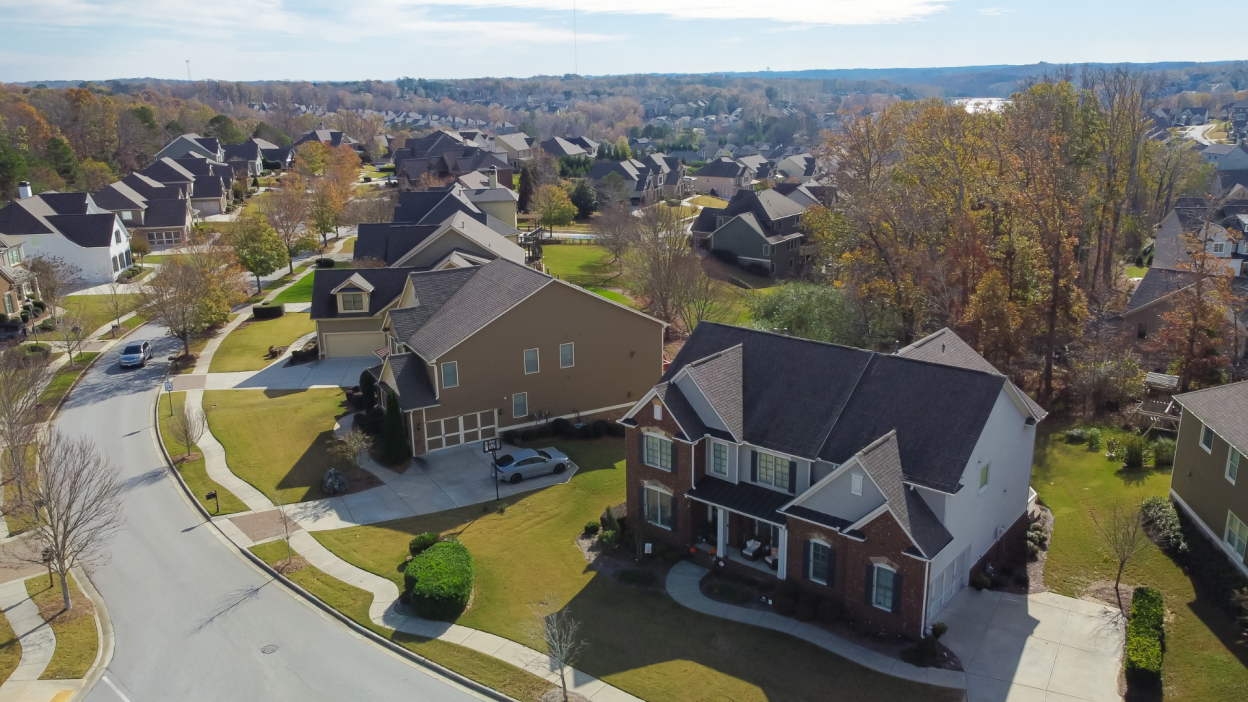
x=1035, y=567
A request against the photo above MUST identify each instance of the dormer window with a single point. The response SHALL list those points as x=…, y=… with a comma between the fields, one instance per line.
x=353, y=293
x=351, y=302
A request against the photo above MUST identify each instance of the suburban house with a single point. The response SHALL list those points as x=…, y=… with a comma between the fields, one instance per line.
x=328, y=137
x=723, y=177
x=71, y=226
x=15, y=281
x=164, y=222
x=515, y=148
x=669, y=174
x=207, y=183
x=590, y=146
x=259, y=155
x=758, y=230
x=475, y=351
x=1226, y=157
x=641, y=182
x=446, y=155
x=1225, y=181
x=800, y=168
x=882, y=481
x=193, y=145
x=560, y=147
x=807, y=194
x=1206, y=481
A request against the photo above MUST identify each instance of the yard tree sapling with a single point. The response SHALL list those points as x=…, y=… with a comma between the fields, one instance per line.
x=187, y=426
x=1121, y=532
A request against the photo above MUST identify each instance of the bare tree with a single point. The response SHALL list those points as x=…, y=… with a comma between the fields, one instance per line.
x=351, y=447
x=616, y=230
x=288, y=210
x=564, y=644
x=371, y=208
x=116, y=304
x=1121, y=531
x=79, y=498
x=700, y=298
x=283, y=523
x=657, y=264
x=22, y=377
x=71, y=333
x=187, y=427
x=57, y=277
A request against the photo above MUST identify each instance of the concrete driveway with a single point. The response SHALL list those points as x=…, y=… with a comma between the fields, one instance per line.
x=281, y=375
x=435, y=482
x=1041, y=648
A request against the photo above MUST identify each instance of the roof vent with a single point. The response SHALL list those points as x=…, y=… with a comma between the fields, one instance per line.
x=942, y=348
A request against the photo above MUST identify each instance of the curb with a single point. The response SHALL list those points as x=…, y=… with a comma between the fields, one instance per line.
x=72, y=386
x=104, y=632
x=314, y=600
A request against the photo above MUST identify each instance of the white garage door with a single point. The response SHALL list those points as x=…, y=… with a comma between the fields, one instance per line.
x=466, y=429
x=342, y=344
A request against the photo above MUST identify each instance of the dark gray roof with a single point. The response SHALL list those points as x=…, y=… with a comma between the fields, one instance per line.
x=706, y=220
x=412, y=378
x=247, y=151
x=949, y=349
x=882, y=461
x=68, y=203
x=1224, y=408
x=1228, y=179
x=1157, y=283
x=166, y=213
x=812, y=399
x=558, y=146
x=167, y=170
x=387, y=285
x=721, y=168
x=119, y=196
x=744, y=498
x=389, y=242
x=719, y=378
x=88, y=230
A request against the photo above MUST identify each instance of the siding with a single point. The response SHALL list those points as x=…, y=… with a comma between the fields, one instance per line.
x=1199, y=479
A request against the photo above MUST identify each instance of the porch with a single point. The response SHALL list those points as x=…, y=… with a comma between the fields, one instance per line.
x=740, y=522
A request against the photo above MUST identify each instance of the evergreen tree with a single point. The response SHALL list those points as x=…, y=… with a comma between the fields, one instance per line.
x=526, y=189
x=585, y=198
x=62, y=159
x=394, y=438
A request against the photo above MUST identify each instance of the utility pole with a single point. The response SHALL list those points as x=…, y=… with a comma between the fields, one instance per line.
x=188, y=69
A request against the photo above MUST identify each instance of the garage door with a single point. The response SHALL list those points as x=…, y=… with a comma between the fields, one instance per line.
x=342, y=344
x=466, y=429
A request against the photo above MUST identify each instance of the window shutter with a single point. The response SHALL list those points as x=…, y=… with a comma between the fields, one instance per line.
x=792, y=476
x=831, y=567
x=675, y=455
x=807, y=545
x=641, y=447
x=870, y=584
x=675, y=512
x=641, y=503
x=896, y=593
x=754, y=466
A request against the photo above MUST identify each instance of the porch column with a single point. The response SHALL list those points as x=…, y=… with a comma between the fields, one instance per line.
x=721, y=539
x=782, y=566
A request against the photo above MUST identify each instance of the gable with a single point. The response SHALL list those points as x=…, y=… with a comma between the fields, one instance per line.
x=836, y=497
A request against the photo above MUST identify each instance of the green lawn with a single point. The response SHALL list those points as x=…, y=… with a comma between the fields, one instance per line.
x=565, y=260
x=640, y=640
x=76, y=641
x=708, y=201
x=1205, y=653
x=276, y=439
x=1136, y=271
x=194, y=473
x=64, y=378
x=245, y=348
x=10, y=650
x=299, y=292
x=97, y=310
x=349, y=245
x=354, y=602
x=613, y=296
x=160, y=258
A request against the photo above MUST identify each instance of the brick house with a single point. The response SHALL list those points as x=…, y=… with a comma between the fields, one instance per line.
x=881, y=481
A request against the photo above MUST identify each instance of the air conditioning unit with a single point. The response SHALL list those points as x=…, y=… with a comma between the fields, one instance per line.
x=999, y=532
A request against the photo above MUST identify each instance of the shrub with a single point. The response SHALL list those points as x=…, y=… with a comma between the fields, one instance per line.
x=592, y=528
x=609, y=539
x=374, y=419
x=544, y=431
x=600, y=429
x=670, y=557
x=637, y=576
x=47, y=325
x=421, y=543
x=609, y=522
x=368, y=179
x=1133, y=448
x=807, y=608
x=1075, y=436
x=939, y=629
x=1165, y=519
x=394, y=449
x=784, y=605
x=789, y=588
x=510, y=436
x=266, y=310
x=829, y=611
x=528, y=435
x=324, y=263
x=725, y=255
x=1163, y=452
x=731, y=593
x=1093, y=437
x=368, y=388
x=616, y=429
x=980, y=581
x=440, y=580
x=1144, y=635
x=560, y=426
x=39, y=306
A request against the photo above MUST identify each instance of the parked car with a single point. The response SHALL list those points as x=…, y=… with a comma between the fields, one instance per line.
x=528, y=463
x=136, y=354
x=10, y=334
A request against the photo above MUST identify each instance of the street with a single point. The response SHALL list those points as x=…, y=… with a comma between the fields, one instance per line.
x=191, y=617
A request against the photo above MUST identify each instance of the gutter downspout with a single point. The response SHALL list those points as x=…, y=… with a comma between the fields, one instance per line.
x=927, y=586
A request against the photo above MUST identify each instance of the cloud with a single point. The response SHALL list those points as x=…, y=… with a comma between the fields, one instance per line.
x=823, y=12
x=994, y=11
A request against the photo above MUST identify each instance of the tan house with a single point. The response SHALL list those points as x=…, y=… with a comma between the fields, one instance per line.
x=1210, y=477
x=475, y=351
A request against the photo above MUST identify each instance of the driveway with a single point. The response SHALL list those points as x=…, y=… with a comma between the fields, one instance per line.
x=1041, y=647
x=282, y=375
x=442, y=480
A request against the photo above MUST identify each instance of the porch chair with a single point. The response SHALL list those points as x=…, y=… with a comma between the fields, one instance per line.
x=773, y=559
x=752, y=550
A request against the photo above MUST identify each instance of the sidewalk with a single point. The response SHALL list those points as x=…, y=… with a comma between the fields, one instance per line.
x=38, y=646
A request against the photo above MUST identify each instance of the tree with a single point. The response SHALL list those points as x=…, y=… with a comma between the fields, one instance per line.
x=57, y=278
x=95, y=175
x=552, y=206
x=394, y=437
x=80, y=506
x=585, y=198
x=564, y=644
x=622, y=151
x=118, y=303
x=71, y=332
x=22, y=377
x=613, y=191
x=324, y=210
x=701, y=298
x=311, y=158
x=1121, y=533
x=140, y=246
x=223, y=128
x=190, y=294
x=657, y=263
x=287, y=210
x=256, y=246
x=527, y=189
x=350, y=447
x=616, y=230
x=187, y=426
x=60, y=156
x=371, y=208
x=806, y=310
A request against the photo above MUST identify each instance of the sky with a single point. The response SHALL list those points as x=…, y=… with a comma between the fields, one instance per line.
x=385, y=39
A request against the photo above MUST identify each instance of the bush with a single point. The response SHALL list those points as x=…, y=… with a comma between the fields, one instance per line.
x=1165, y=519
x=368, y=388
x=609, y=539
x=367, y=179
x=784, y=605
x=731, y=593
x=637, y=576
x=1163, y=452
x=592, y=528
x=421, y=543
x=616, y=429
x=725, y=255
x=980, y=581
x=39, y=306
x=1093, y=437
x=394, y=449
x=1075, y=436
x=789, y=588
x=440, y=580
x=528, y=435
x=939, y=629
x=599, y=428
x=266, y=310
x=374, y=419
x=47, y=325
x=670, y=557
x=560, y=426
x=1144, y=635
x=807, y=608
x=544, y=431
x=510, y=436
x=829, y=611
x=1133, y=448
x=324, y=263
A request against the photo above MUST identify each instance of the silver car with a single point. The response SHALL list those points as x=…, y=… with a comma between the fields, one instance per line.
x=527, y=463
x=136, y=354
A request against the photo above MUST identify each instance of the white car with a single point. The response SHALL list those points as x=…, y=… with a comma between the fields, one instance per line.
x=136, y=354
x=527, y=463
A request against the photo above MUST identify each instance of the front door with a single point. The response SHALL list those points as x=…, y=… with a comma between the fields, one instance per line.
x=464, y=429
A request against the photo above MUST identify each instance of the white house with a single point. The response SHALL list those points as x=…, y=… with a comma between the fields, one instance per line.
x=70, y=226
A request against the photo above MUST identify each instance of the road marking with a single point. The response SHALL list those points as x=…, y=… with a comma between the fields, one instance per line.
x=119, y=692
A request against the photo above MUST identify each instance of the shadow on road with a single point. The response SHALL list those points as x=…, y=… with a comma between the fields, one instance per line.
x=228, y=603
x=151, y=477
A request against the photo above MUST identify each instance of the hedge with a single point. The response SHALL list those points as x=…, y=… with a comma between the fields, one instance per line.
x=440, y=580
x=265, y=310
x=421, y=543
x=1144, y=635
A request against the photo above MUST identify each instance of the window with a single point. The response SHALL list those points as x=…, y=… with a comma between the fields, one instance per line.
x=520, y=405
x=658, y=452
x=116, y=237
x=450, y=375
x=567, y=355
x=1219, y=248
x=1232, y=466
x=658, y=412
x=766, y=250
x=719, y=459
x=164, y=238
x=882, y=593
x=127, y=216
x=820, y=562
x=352, y=302
x=530, y=361
x=1141, y=331
x=856, y=483
x=773, y=470
x=8, y=304
x=1236, y=533
x=1206, y=438
x=658, y=508
x=983, y=476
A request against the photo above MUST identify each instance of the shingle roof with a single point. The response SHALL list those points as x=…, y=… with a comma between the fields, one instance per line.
x=744, y=498
x=1224, y=408
x=558, y=146
x=1157, y=283
x=166, y=213
x=387, y=285
x=389, y=242
x=89, y=231
x=882, y=461
x=415, y=389
x=949, y=349
x=678, y=405
x=721, y=168
x=72, y=215
x=706, y=220
x=719, y=378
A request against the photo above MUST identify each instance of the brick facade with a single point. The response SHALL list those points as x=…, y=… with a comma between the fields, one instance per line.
x=678, y=481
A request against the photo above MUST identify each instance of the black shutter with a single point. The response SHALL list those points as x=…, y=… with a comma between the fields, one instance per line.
x=807, y=545
x=792, y=476
x=641, y=447
x=831, y=567
x=675, y=455
x=754, y=466
x=674, y=513
x=641, y=504
x=870, y=584
x=896, y=593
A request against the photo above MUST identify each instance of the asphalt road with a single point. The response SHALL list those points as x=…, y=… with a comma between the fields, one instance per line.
x=190, y=616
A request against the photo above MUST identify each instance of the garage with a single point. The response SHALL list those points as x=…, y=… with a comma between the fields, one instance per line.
x=465, y=429
x=340, y=344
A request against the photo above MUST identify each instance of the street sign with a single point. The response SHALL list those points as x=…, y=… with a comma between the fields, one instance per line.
x=490, y=445
x=168, y=386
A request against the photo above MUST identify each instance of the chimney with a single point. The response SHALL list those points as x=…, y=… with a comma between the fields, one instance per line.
x=493, y=177
x=23, y=190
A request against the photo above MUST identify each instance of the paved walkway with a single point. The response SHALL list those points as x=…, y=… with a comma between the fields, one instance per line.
x=38, y=645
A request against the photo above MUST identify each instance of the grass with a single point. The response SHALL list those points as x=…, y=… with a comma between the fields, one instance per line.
x=76, y=641
x=1136, y=271
x=708, y=201
x=613, y=296
x=246, y=348
x=349, y=245
x=160, y=258
x=16, y=519
x=64, y=378
x=195, y=473
x=198, y=342
x=565, y=260
x=640, y=640
x=299, y=292
x=97, y=310
x=10, y=650
x=354, y=602
x=276, y=439
x=1205, y=653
